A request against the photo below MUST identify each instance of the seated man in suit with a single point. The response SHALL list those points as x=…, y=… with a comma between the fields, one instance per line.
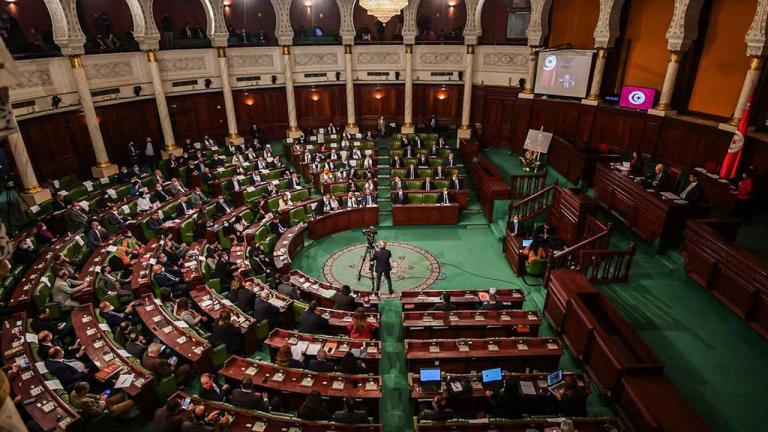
x=439, y=411
x=444, y=198
x=450, y=161
x=400, y=197
x=455, y=182
x=422, y=162
x=161, y=367
x=64, y=288
x=349, y=415
x=276, y=225
x=165, y=279
x=433, y=126
x=321, y=363
x=222, y=207
x=243, y=297
x=155, y=223
x=59, y=203
x=183, y=207
x=68, y=371
x=368, y=198
x=311, y=322
x=77, y=216
x=159, y=194
x=264, y=310
x=245, y=397
x=113, y=218
x=692, y=193
x=428, y=184
x=344, y=300
x=439, y=173
x=397, y=162
x=135, y=345
x=659, y=178
x=210, y=390
x=434, y=151
x=411, y=172
x=397, y=183
x=516, y=227
x=96, y=236
x=114, y=317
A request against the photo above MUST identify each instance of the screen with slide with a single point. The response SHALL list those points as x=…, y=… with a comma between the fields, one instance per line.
x=564, y=73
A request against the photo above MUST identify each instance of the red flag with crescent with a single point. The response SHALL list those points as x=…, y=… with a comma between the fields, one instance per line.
x=732, y=159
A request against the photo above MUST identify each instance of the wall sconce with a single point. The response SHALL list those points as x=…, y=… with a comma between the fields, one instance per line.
x=378, y=94
x=442, y=94
x=227, y=3
x=249, y=101
x=315, y=96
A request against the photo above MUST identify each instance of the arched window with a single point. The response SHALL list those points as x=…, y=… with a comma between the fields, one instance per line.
x=505, y=21
x=250, y=22
x=368, y=29
x=108, y=26
x=315, y=22
x=182, y=24
x=441, y=21
x=27, y=30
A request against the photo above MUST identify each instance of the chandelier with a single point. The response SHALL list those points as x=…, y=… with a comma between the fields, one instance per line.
x=383, y=10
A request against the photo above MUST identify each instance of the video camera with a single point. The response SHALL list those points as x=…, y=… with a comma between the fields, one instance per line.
x=370, y=235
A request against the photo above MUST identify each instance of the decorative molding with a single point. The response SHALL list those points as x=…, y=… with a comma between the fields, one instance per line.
x=108, y=70
x=684, y=26
x=538, y=25
x=441, y=58
x=472, y=28
x=34, y=78
x=505, y=60
x=144, y=29
x=410, y=31
x=347, y=27
x=758, y=31
x=319, y=59
x=251, y=61
x=608, y=23
x=217, y=27
x=379, y=58
x=182, y=64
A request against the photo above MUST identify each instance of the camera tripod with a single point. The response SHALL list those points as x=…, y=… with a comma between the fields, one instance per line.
x=368, y=254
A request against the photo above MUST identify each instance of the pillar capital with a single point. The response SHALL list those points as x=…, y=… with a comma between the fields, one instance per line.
x=76, y=61
x=221, y=52
x=675, y=56
x=756, y=63
x=286, y=49
x=151, y=56
x=348, y=49
x=470, y=49
x=409, y=48
x=538, y=25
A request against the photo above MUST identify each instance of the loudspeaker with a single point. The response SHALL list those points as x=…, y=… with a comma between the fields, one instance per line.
x=397, y=75
x=521, y=82
x=338, y=76
x=55, y=101
x=461, y=75
x=136, y=90
x=208, y=83
x=274, y=79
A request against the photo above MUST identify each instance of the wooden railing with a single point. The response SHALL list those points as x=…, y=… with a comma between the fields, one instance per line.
x=528, y=208
x=607, y=265
x=524, y=186
x=569, y=258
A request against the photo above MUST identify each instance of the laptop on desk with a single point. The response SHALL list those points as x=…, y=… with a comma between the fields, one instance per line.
x=429, y=380
x=555, y=381
x=493, y=379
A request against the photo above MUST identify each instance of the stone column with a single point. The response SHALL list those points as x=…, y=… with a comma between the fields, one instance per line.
x=668, y=89
x=408, y=112
x=747, y=90
x=293, y=124
x=597, y=78
x=527, y=92
x=229, y=103
x=350, y=88
x=162, y=108
x=104, y=167
x=464, y=129
x=32, y=194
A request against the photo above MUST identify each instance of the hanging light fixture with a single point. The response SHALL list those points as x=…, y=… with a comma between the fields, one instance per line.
x=383, y=10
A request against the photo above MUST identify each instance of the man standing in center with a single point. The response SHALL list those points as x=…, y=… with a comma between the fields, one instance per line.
x=382, y=266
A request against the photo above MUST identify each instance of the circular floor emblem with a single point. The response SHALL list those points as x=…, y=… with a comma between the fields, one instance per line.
x=412, y=268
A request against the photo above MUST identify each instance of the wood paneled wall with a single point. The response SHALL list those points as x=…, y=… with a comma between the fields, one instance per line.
x=504, y=120
x=372, y=101
x=268, y=108
x=194, y=116
x=319, y=106
x=442, y=101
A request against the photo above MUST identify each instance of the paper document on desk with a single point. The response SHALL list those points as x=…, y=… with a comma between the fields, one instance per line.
x=527, y=388
x=54, y=384
x=313, y=348
x=124, y=381
x=298, y=350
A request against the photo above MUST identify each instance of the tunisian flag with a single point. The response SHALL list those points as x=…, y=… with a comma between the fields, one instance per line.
x=733, y=157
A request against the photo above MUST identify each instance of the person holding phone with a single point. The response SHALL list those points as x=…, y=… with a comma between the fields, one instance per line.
x=95, y=405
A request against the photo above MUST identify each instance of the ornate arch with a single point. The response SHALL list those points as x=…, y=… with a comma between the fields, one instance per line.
x=144, y=29
x=67, y=33
x=283, y=29
x=684, y=26
x=608, y=23
x=472, y=27
x=538, y=24
x=757, y=35
x=216, y=27
x=347, y=24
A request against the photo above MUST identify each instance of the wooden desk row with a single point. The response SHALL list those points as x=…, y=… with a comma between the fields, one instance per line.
x=47, y=408
x=174, y=333
x=288, y=245
x=470, y=324
x=252, y=420
x=729, y=272
x=336, y=347
x=619, y=361
x=472, y=355
x=213, y=304
x=342, y=220
x=425, y=214
x=295, y=384
x=595, y=424
x=463, y=299
x=141, y=281
x=649, y=215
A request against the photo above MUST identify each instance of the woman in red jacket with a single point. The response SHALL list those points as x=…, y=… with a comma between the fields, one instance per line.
x=360, y=327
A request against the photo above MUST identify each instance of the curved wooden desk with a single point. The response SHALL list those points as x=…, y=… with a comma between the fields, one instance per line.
x=336, y=347
x=463, y=299
x=468, y=324
x=342, y=220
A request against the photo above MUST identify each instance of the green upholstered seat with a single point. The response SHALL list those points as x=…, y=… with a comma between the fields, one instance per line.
x=429, y=198
x=297, y=215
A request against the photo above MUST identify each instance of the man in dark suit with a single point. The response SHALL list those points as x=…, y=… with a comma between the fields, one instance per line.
x=382, y=266
x=445, y=305
x=321, y=363
x=159, y=195
x=59, y=203
x=692, y=193
x=243, y=297
x=222, y=207
x=276, y=226
x=439, y=173
x=135, y=346
x=210, y=390
x=450, y=161
x=264, y=310
x=411, y=172
x=96, y=236
x=368, y=199
x=155, y=223
x=294, y=182
x=428, y=184
x=182, y=208
x=245, y=397
x=397, y=162
x=311, y=322
x=400, y=197
x=659, y=178
x=516, y=227
x=349, y=415
x=67, y=371
x=444, y=198
x=168, y=418
x=434, y=151
x=408, y=151
x=165, y=279
x=114, y=219
x=344, y=300
x=455, y=182
x=433, y=123
x=397, y=183
x=162, y=368
x=422, y=162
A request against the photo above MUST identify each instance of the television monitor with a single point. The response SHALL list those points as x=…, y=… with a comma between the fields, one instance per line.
x=429, y=375
x=564, y=73
x=641, y=98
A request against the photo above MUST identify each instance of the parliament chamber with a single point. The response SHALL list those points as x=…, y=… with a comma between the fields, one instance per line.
x=390, y=215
